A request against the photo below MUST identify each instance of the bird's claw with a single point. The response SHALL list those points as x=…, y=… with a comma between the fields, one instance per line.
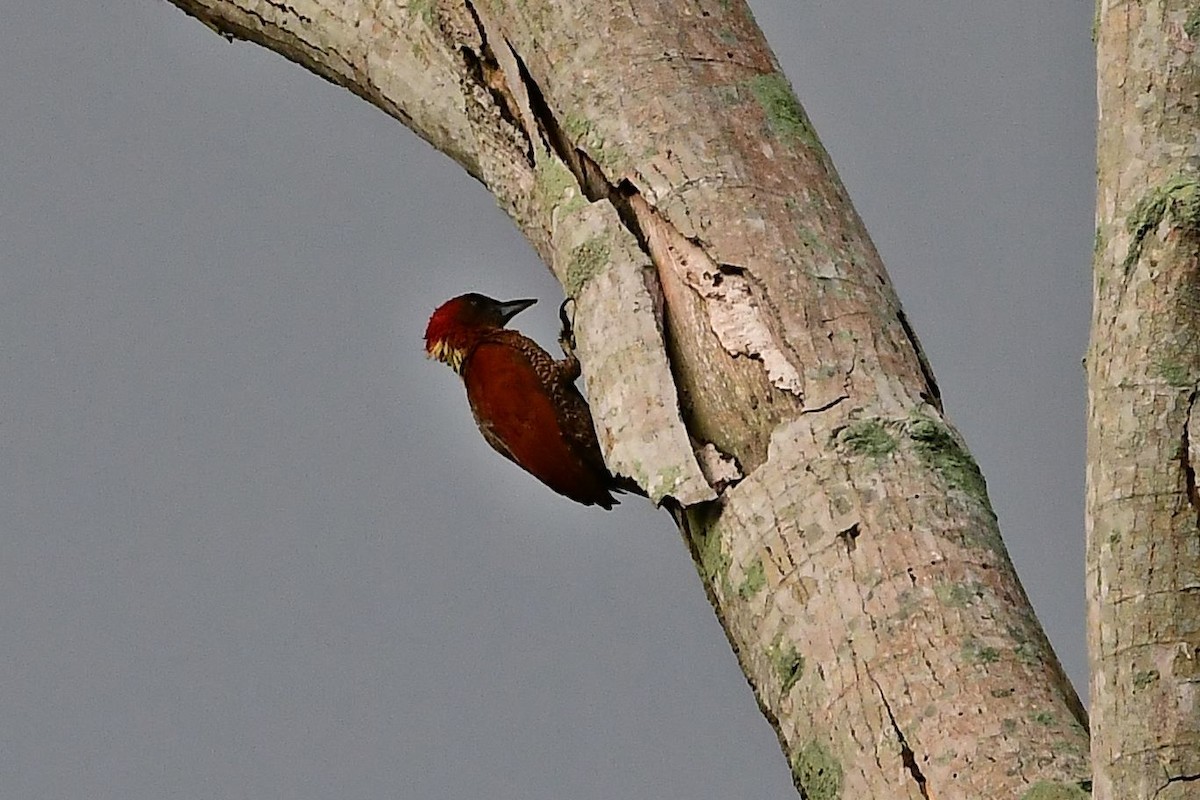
x=566, y=336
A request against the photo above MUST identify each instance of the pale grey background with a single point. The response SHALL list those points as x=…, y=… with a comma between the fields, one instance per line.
x=251, y=545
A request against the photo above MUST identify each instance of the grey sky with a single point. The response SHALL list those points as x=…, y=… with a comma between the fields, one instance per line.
x=251, y=545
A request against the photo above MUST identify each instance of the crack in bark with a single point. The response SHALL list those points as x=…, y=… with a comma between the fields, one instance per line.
x=484, y=68
x=290, y=10
x=1185, y=459
x=1176, y=779
x=932, y=393
x=906, y=753
x=1141, y=597
x=849, y=538
x=591, y=179
x=825, y=406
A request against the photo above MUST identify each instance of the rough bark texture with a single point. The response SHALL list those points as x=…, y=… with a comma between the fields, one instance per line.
x=729, y=295
x=1143, y=367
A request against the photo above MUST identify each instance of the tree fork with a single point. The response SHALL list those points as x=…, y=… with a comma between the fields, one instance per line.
x=730, y=300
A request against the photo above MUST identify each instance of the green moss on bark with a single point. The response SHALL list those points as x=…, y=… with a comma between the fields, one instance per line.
x=940, y=450
x=754, y=580
x=868, y=437
x=975, y=652
x=957, y=595
x=714, y=561
x=1174, y=373
x=424, y=9
x=1144, y=678
x=785, y=117
x=816, y=772
x=1177, y=201
x=587, y=261
x=554, y=184
x=788, y=664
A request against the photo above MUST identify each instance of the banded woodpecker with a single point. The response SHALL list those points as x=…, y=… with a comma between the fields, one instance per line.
x=524, y=402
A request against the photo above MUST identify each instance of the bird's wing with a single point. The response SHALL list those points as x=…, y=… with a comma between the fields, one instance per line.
x=492, y=435
x=528, y=414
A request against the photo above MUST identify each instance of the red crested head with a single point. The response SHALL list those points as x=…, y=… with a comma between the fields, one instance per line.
x=458, y=323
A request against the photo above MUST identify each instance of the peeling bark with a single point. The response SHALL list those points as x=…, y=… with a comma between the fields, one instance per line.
x=728, y=295
x=1143, y=510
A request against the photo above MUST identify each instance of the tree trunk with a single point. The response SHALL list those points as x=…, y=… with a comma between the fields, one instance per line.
x=748, y=364
x=1144, y=430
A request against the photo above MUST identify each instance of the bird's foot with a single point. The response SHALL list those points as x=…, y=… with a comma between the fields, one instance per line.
x=568, y=369
x=566, y=336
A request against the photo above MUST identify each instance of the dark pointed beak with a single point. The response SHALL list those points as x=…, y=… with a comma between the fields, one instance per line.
x=513, y=307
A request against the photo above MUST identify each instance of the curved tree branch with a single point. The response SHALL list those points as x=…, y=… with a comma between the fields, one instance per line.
x=731, y=301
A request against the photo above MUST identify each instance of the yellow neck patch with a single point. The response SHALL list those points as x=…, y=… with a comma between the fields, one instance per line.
x=444, y=352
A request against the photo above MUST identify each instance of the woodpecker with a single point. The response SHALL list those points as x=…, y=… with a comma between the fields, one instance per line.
x=524, y=401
